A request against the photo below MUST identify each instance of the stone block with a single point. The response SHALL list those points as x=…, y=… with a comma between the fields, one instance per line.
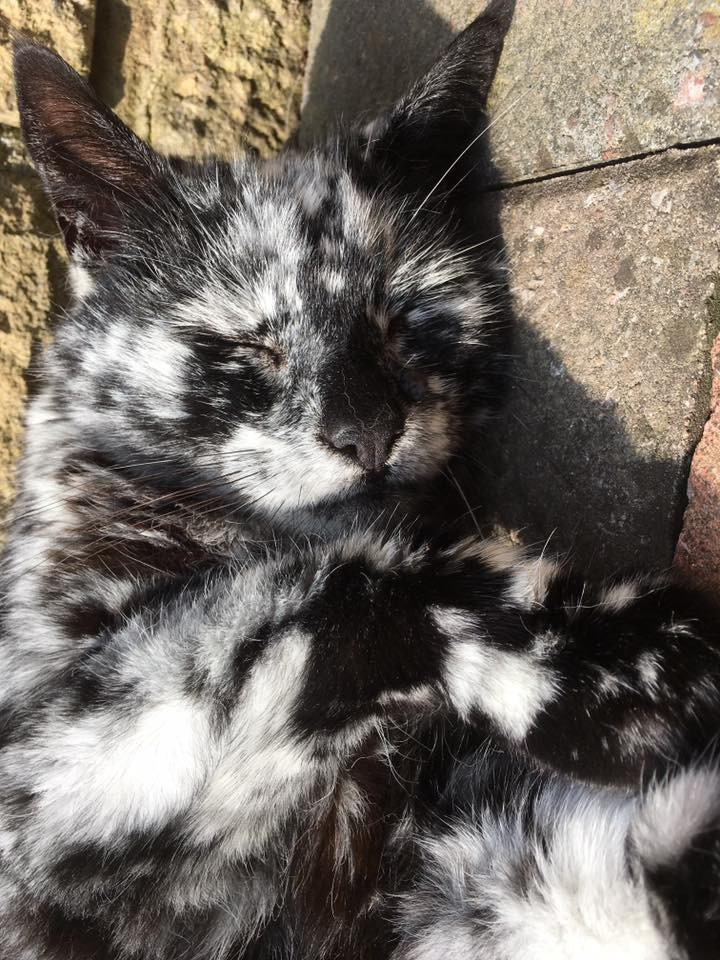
x=611, y=273
x=29, y=271
x=199, y=76
x=579, y=83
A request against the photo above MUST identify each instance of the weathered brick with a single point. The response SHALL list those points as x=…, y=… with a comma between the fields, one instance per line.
x=698, y=550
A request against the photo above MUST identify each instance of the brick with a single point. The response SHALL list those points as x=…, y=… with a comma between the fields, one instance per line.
x=698, y=551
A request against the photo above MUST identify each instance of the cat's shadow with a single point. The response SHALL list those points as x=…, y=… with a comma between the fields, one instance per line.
x=367, y=56
x=560, y=467
x=557, y=464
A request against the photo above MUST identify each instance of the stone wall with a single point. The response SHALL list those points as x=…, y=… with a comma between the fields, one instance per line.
x=190, y=76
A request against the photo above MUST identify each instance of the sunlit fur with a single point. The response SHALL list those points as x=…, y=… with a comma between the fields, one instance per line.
x=260, y=698
x=298, y=258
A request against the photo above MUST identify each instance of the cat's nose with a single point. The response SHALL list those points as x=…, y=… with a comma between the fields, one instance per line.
x=369, y=447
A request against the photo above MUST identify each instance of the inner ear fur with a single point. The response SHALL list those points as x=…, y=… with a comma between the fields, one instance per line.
x=93, y=167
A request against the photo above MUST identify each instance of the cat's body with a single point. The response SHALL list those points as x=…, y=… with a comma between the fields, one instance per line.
x=258, y=698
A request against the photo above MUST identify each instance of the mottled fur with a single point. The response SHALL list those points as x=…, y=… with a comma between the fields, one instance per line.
x=259, y=697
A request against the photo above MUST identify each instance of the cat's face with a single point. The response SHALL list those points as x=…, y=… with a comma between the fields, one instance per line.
x=293, y=332
x=289, y=333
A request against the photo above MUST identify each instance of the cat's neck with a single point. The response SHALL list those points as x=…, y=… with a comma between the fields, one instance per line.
x=88, y=532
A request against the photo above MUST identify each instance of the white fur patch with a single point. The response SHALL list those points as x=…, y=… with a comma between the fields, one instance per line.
x=81, y=281
x=266, y=770
x=105, y=774
x=619, y=596
x=492, y=891
x=530, y=582
x=333, y=280
x=288, y=471
x=675, y=812
x=650, y=671
x=511, y=688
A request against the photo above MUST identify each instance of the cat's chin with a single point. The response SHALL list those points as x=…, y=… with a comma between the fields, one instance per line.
x=372, y=496
x=376, y=484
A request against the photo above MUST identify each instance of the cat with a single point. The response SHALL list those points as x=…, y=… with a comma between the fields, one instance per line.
x=259, y=699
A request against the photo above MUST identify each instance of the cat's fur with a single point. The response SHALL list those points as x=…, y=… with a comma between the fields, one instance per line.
x=256, y=702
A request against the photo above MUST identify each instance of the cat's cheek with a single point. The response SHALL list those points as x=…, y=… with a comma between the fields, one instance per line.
x=290, y=470
x=429, y=441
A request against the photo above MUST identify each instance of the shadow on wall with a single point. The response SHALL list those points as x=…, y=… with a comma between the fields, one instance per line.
x=108, y=57
x=558, y=463
x=368, y=55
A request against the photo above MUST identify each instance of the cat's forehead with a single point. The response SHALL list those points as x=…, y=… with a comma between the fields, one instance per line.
x=294, y=237
x=308, y=212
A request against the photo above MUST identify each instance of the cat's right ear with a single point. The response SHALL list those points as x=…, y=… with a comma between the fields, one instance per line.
x=428, y=136
x=95, y=171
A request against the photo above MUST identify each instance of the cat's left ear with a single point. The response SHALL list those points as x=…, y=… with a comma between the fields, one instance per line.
x=98, y=175
x=425, y=135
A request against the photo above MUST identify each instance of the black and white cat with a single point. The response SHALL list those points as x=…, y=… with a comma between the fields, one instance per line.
x=256, y=701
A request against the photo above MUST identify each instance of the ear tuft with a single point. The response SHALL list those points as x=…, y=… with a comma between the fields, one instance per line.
x=92, y=166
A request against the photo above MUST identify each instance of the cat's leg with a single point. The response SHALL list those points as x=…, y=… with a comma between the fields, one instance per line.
x=205, y=727
x=609, y=682
x=531, y=865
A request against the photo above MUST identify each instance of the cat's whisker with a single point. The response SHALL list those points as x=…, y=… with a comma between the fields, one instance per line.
x=498, y=116
x=448, y=471
x=123, y=516
x=208, y=461
x=476, y=246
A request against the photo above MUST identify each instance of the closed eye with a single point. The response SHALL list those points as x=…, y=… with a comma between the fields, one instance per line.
x=411, y=380
x=264, y=351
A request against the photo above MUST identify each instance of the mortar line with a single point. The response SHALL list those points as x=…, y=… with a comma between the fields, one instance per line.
x=599, y=165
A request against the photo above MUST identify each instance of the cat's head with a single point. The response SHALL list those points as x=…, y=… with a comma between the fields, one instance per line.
x=290, y=332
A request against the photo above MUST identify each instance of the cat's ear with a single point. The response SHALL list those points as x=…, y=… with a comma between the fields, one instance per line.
x=431, y=129
x=94, y=169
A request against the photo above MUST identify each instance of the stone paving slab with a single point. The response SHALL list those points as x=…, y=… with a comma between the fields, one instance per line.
x=610, y=80
x=612, y=270
x=591, y=80
x=612, y=267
